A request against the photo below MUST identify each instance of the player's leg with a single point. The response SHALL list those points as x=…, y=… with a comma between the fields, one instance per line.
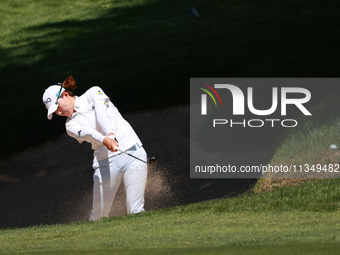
x=97, y=201
x=106, y=180
x=135, y=177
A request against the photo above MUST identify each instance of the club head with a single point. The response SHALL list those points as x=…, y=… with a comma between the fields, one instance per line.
x=152, y=161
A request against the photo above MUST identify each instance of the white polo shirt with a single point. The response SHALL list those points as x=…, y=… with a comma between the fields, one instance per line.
x=95, y=118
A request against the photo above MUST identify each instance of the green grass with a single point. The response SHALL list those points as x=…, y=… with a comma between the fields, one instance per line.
x=143, y=64
x=298, y=220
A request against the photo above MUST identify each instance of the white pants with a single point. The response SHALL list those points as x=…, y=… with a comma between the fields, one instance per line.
x=107, y=177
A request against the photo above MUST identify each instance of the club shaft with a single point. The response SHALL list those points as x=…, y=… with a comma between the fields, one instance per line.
x=131, y=155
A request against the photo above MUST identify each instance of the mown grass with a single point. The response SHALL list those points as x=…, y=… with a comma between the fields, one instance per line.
x=142, y=63
x=297, y=220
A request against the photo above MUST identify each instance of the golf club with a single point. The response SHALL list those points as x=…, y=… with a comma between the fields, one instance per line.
x=151, y=160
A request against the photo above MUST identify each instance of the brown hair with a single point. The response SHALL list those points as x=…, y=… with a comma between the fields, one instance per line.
x=69, y=85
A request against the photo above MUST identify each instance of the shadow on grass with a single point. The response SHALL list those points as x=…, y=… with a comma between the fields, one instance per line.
x=143, y=64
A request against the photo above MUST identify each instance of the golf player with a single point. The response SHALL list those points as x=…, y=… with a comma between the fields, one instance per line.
x=93, y=118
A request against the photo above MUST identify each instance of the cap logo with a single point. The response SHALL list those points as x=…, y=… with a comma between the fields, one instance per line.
x=48, y=100
x=99, y=92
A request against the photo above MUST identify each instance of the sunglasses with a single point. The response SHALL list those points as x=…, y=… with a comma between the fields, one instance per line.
x=59, y=93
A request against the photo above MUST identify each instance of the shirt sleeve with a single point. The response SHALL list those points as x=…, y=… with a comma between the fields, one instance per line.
x=81, y=133
x=101, y=103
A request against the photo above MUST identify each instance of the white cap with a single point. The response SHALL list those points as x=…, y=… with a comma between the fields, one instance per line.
x=50, y=97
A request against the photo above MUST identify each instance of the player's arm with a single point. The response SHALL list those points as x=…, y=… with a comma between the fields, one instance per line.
x=101, y=104
x=81, y=133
